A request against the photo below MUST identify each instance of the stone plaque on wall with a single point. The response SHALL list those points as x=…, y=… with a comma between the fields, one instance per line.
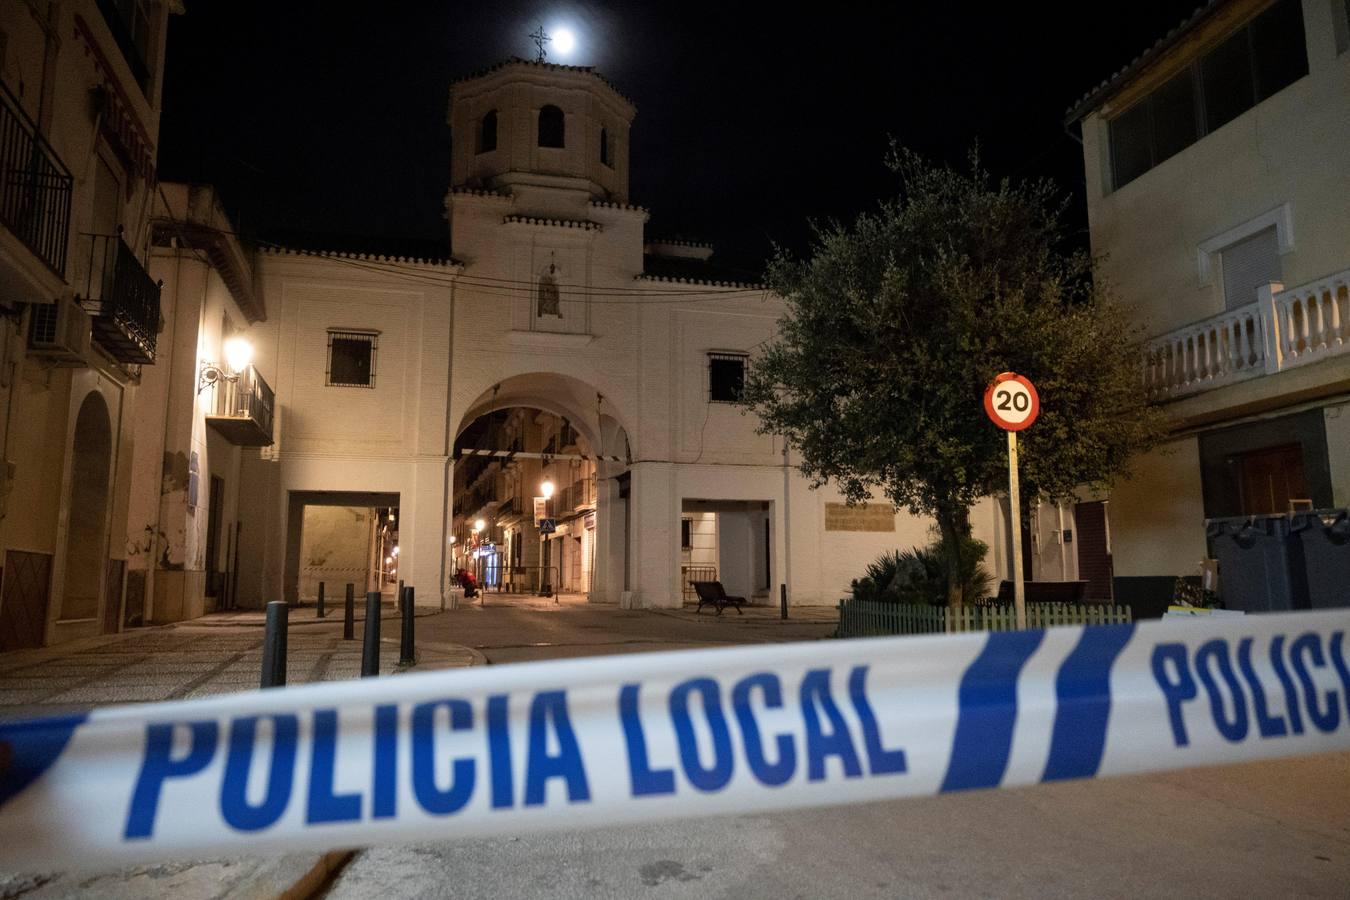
x=866, y=517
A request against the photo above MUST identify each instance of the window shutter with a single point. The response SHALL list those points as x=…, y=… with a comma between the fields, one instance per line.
x=1251, y=262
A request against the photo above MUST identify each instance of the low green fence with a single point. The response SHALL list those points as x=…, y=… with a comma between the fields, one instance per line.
x=860, y=618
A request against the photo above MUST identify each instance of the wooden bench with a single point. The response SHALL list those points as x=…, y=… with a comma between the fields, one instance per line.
x=713, y=592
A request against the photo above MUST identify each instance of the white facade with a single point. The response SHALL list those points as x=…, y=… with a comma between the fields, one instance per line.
x=1235, y=252
x=551, y=304
x=80, y=87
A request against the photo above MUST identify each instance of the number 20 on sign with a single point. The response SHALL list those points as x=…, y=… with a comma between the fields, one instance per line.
x=1012, y=403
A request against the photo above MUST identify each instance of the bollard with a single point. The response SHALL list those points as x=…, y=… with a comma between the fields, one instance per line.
x=398, y=598
x=321, y=611
x=782, y=595
x=349, y=614
x=370, y=648
x=406, y=656
x=274, y=645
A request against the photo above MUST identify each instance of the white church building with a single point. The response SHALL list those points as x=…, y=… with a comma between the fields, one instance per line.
x=550, y=298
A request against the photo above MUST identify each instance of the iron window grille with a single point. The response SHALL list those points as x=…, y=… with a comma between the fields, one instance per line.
x=351, y=358
x=726, y=377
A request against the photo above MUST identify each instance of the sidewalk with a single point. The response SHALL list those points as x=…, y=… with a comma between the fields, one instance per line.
x=219, y=654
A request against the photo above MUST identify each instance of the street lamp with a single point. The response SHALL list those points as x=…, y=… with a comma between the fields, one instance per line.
x=546, y=489
x=238, y=354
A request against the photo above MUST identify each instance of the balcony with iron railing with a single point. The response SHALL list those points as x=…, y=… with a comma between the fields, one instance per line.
x=1282, y=330
x=35, y=186
x=242, y=412
x=120, y=297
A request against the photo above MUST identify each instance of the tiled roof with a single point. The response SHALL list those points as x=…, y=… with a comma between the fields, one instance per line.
x=1095, y=97
x=553, y=67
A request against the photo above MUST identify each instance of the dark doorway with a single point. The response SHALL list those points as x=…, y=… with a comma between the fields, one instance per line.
x=215, y=506
x=1270, y=478
x=23, y=603
x=87, y=533
x=112, y=599
x=1094, y=549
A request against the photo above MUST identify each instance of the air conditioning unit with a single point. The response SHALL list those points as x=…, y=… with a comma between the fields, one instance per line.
x=60, y=332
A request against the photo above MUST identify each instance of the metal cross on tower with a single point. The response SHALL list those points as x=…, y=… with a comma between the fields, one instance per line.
x=540, y=38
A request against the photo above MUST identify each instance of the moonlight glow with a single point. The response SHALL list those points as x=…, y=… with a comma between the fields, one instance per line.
x=564, y=41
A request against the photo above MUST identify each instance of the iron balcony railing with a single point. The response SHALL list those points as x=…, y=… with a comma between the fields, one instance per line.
x=243, y=409
x=121, y=298
x=35, y=186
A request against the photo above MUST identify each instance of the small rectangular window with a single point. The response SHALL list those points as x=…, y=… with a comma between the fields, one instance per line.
x=1340, y=13
x=726, y=377
x=351, y=358
x=686, y=534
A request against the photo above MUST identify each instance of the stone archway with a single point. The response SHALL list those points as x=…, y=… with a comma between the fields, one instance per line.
x=596, y=550
x=86, y=551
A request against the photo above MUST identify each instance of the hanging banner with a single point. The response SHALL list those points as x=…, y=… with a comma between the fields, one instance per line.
x=652, y=737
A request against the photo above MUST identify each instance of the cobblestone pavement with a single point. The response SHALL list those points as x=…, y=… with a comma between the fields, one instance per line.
x=196, y=659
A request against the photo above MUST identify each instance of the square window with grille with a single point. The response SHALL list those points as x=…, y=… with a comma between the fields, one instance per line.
x=726, y=377
x=351, y=358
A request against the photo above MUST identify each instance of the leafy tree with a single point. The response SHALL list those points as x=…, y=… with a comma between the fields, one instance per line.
x=896, y=324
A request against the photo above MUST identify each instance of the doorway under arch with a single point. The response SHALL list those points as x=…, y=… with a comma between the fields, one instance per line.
x=518, y=436
x=87, y=527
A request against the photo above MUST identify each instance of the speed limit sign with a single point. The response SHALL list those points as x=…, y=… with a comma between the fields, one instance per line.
x=1011, y=401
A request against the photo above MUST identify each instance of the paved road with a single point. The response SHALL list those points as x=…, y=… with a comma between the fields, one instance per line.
x=519, y=629
x=1262, y=830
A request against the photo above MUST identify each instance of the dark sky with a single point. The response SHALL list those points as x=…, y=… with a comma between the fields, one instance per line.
x=328, y=117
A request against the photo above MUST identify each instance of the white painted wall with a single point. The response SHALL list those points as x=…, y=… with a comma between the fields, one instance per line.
x=1279, y=154
x=1157, y=517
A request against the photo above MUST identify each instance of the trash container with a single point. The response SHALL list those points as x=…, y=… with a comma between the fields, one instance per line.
x=1260, y=563
x=1325, y=538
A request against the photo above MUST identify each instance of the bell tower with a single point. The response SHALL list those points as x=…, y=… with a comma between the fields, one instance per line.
x=553, y=136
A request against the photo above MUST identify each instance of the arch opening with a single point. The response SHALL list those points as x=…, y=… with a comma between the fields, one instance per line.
x=87, y=529
x=535, y=511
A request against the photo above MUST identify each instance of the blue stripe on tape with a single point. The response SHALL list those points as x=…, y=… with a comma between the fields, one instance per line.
x=987, y=711
x=1083, y=692
x=27, y=749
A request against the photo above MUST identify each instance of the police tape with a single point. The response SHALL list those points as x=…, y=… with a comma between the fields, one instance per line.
x=632, y=739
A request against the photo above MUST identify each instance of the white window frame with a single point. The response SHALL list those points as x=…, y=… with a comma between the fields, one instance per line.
x=1208, y=252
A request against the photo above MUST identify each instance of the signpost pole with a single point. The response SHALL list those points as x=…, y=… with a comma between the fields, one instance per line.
x=1015, y=507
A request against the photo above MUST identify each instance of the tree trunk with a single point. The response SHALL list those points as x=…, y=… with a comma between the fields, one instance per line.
x=954, y=524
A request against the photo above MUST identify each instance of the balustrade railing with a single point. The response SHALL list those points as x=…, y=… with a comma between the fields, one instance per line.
x=1314, y=319
x=121, y=297
x=251, y=398
x=35, y=186
x=1282, y=329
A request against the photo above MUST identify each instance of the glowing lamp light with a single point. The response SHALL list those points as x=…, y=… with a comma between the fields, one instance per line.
x=546, y=489
x=479, y=525
x=452, y=538
x=395, y=551
x=564, y=41
x=238, y=353
x=388, y=560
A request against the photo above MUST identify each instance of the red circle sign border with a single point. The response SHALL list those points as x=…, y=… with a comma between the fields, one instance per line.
x=989, y=401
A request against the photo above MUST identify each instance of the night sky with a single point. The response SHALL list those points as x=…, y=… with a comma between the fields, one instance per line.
x=751, y=121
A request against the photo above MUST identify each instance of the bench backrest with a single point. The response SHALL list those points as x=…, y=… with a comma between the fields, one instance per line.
x=709, y=590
